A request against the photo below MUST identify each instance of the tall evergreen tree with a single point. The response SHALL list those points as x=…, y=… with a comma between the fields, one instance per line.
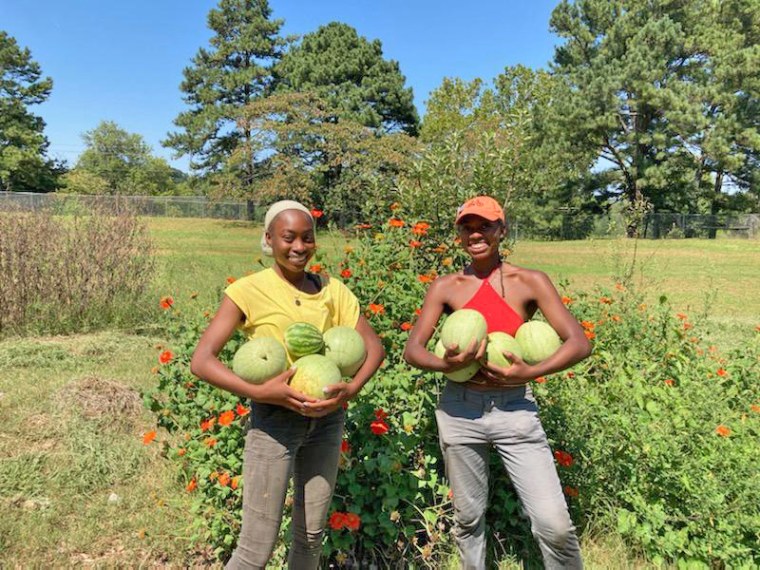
x=234, y=71
x=350, y=73
x=23, y=165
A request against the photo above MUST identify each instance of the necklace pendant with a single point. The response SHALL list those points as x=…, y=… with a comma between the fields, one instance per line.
x=298, y=302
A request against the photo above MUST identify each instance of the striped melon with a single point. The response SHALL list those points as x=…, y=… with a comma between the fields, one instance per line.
x=499, y=343
x=345, y=347
x=314, y=373
x=461, y=375
x=538, y=341
x=302, y=339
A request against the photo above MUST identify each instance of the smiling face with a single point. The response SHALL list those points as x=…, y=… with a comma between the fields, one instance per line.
x=291, y=237
x=480, y=237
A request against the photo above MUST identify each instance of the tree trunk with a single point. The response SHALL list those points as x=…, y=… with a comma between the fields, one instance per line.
x=713, y=230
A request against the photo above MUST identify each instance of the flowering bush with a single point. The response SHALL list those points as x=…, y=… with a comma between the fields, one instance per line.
x=654, y=436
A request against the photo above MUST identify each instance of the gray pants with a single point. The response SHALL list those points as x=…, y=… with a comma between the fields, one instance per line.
x=469, y=423
x=280, y=443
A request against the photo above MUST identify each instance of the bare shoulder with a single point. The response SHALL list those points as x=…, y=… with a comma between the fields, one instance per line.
x=533, y=280
x=443, y=286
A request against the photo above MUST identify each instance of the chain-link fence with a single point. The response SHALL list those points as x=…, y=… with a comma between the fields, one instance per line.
x=660, y=225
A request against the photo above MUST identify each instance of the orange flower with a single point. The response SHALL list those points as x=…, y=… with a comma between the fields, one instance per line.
x=571, y=491
x=616, y=318
x=418, y=312
x=570, y=374
x=396, y=223
x=224, y=479
x=166, y=302
x=208, y=424
x=316, y=213
x=154, y=370
x=420, y=228
x=566, y=300
x=376, y=309
x=166, y=357
x=352, y=521
x=346, y=273
x=541, y=380
x=241, y=409
x=363, y=226
x=424, y=278
x=605, y=300
x=440, y=249
x=181, y=451
x=234, y=483
x=207, y=314
x=345, y=447
x=588, y=325
x=590, y=334
x=230, y=280
x=447, y=262
x=406, y=326
x=226, y=418
x=414, y=243
x=378, y=427
x=210, y=441
x=563, y=458
x=669, y=382
x=681, y=316
x=619, y=286
x=722, y=372
x=337, y=520
x=395, y=206
x=191, y=486
x=687, y=326
x=723, y=431
x=148, y=437
x=755, y=408
x=316, y=268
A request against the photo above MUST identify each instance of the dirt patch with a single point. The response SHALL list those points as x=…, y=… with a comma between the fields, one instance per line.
x=97, y=398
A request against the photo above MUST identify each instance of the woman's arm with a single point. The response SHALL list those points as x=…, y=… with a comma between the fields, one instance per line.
x=206, y=364
x=415, y=351
x=575, y=346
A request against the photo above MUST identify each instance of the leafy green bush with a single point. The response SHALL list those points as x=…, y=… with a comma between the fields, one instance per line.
x=654, y=435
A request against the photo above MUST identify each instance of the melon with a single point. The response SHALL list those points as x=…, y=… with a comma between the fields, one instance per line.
x=313, y=373
x=499, y=343
x=538, y=341
x=461, y=375
x=260, y=359
x=462, y=327
x=345, y=347
x=302, y=339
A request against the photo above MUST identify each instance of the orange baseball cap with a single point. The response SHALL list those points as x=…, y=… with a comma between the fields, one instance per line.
x=483, y=206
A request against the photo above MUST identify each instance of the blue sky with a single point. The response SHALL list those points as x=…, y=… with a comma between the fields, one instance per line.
x=123, y=61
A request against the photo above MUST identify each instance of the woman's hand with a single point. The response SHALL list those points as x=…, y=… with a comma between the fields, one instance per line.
x=277, y=391
x=338, y=394
x=458, y=360
x=516, y=374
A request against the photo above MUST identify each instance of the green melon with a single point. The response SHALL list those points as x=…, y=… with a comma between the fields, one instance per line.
x=345, y=347
x=302, y=339
x=461, y=375
x=461, y=327
x=260, y=359
x=538, y=341
x=313, y=373
x=499, y=343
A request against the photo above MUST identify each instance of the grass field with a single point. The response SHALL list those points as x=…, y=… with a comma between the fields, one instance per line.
x=79, y=488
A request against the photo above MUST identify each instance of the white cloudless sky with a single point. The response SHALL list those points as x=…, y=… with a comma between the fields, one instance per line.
x=123, y=61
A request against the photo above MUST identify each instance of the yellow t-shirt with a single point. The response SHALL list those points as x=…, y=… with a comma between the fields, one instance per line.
x=269, y=304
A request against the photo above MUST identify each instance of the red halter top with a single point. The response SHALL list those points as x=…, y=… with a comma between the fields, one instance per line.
x=497, y=312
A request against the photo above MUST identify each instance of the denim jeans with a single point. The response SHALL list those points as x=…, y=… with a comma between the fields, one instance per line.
x=281, y=443
x=469, y=423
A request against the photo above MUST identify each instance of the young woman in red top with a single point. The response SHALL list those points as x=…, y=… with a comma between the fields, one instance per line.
x=496, y=408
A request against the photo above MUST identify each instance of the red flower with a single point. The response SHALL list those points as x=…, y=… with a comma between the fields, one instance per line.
x=376, y=309
x=316, y=213
x=241, y=409
x=563, y=458
x=224, y=479
x=191, y=486
x=418, y=312
x=363, y=226
x=590, y=334
x=230, y=280
x=420, y=228
x=379, y=427
x=210, y=441
x=570, y=374
x=406, y=326
x=352, y=521
x=396, y=223
x=669, y=382
x=541, y=380
x=337, y=520
x=166, y=302
x=148, y=437
x=571, y=491
x=181, y=451
x=380, y=414
x=226, y=418
x=346, y=273
x=722, y=372
x=414, y=243
x=345, y=447
x=316, y=268
x=605, y=300
x=424, y=278
x=566, y=300
x=723, y=431
x=166, y=357
x=208, y=424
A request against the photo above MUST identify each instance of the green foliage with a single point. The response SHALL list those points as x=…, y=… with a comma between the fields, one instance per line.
x=23, y=165
x=351, y=75
x=234, y=71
